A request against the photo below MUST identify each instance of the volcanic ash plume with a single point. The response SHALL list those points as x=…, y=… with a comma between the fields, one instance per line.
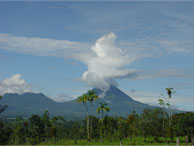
x=106, y=63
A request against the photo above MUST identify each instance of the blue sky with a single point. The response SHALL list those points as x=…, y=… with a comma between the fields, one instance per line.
x=62, y=49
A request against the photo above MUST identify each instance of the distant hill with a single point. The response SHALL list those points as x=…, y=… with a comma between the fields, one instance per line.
x=32, y=103
x=27, y=104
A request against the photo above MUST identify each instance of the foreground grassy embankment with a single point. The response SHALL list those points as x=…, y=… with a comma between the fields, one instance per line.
x=126, y=141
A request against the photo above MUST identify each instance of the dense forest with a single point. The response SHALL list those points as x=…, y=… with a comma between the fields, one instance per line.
x=152, y=126
x=43, y=129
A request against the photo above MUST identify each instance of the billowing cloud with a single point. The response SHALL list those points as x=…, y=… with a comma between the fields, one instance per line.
x=107, y=63
x=107, y=59
x=14, y=84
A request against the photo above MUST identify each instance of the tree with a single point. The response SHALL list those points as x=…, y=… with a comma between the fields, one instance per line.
x=169, y=91
x=151, y=123
x=2, y=108
x=109, y=126
x=36, y=129
x=54, y=130
x=156, y=118
x=184, y=124
x=122, y=127
x=91, y=98
x=102, y=108
x=20, y=131
x=132, y=122
x=162, y=105
x=47, y=125
x=145, y=123
x=83, y=99
x=5, y=133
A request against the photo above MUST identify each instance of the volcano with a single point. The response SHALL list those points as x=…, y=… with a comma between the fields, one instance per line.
x=32, y=103
x=120, y=103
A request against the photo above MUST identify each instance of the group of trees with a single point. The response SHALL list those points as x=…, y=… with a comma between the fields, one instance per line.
x=91, y=96
x=43, y=129
x=30, y=131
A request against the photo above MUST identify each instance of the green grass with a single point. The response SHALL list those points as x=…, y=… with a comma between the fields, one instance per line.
x=126, y=141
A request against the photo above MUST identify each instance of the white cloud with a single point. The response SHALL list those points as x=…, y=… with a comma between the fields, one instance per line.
x=62, y=98
x=106, y=59
x=42, y=46
x=107, y=63
x=14, y=84
x=164, y=73
x=174, y=46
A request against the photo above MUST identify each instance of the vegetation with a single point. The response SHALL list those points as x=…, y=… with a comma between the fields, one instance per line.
x=91, y=97
x=2, y=108
x=135, y=129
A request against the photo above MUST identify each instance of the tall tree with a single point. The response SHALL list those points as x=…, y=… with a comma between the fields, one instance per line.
x=91, y=98
x=84, y=99
x=47, y=125
x=169, y=91
x=162, y=104
x=102, y=108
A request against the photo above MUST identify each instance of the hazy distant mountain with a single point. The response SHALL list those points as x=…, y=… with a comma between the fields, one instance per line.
x=27, y=104
x=32, y=103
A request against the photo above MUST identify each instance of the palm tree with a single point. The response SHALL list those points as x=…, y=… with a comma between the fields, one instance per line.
x=83, y=99
x=169, y=91
x=91, y=98
x=103, y=108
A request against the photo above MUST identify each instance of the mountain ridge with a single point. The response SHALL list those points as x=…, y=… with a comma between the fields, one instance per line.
x=36, y=103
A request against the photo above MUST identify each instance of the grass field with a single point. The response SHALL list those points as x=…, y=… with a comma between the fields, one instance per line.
x=134, y=141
